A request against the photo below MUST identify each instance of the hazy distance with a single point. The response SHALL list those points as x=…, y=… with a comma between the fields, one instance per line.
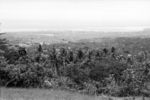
x=103, y=15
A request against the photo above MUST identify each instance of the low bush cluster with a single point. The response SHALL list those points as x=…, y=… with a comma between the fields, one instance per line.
x=92, y=71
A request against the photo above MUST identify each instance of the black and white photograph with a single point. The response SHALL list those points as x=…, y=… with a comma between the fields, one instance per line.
x=74, y=49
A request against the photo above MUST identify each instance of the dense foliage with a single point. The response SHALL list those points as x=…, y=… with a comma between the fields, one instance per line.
x=94, y=71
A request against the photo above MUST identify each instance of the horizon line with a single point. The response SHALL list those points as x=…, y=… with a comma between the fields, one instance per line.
x=99, y=29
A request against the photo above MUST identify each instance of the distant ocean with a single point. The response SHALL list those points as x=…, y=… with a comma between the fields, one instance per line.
x=104, y=29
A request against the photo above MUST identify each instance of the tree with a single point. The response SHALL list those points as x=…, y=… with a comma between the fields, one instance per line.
x=40, y=48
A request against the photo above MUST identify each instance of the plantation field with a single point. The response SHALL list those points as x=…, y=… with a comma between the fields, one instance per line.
x=45, y=94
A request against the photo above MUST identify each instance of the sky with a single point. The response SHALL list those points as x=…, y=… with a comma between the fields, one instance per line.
x=16, y=15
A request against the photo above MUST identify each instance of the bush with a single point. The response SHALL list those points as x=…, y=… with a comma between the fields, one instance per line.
x=93, y=71
x=77, y=74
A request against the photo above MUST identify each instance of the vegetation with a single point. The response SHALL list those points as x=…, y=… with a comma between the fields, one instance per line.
x=45, y=94
x=115, y=70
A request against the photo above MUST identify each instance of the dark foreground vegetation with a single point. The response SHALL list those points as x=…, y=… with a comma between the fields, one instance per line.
x=116, y=68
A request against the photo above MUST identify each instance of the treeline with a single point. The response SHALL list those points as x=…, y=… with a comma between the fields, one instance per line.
x=92, y=71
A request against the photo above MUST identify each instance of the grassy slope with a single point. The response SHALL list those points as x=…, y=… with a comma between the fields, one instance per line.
x=45, y=94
